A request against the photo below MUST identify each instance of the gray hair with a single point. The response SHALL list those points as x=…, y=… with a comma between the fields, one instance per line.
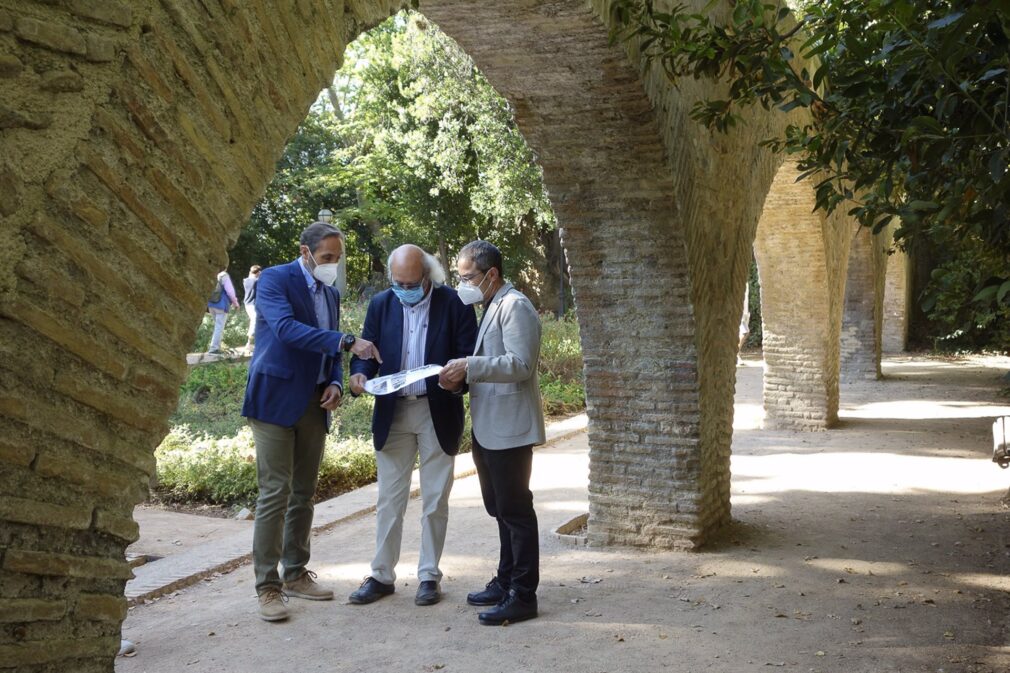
x=313, y=235
x=485, y=256
x=433, y=268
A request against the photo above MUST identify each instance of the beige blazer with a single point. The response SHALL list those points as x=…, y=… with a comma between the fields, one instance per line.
x=505, y=404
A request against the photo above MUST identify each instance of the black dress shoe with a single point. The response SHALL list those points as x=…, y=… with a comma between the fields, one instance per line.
x=512, y=609
x=493, y=594
x=427, y=593
x=370, y=591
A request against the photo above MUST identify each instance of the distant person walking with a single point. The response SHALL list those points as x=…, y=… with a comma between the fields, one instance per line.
x=222, y=299
x=249, y=301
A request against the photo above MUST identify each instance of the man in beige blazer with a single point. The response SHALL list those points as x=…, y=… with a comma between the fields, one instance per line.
x=508, y=421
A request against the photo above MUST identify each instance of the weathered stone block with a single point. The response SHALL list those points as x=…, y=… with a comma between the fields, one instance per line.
x=31, y=610
x=101, y=607
x=10, y=191
x=22, y=510
x=100, y=49
x=108, y=11
x=125, y=528
x=51, y=35
x=62, y=81
x=10, y=66
x=12, y=119
x=43, y=563
x=38, y=652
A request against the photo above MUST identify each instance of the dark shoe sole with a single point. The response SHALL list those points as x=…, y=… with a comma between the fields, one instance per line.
x=427, y=600
x=504, y=622
x=481, y=604
x=365, y=600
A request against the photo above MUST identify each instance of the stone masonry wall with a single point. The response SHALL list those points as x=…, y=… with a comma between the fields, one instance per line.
x=134, y=139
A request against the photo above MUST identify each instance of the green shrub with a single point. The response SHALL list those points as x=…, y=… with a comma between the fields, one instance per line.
x=195, y=468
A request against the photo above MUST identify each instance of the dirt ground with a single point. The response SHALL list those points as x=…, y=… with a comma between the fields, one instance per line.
x=877, y=547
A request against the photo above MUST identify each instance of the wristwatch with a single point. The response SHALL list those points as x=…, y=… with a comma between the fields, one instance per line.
x=347, y=341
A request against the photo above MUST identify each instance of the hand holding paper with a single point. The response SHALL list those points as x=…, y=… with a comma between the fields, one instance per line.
x=385, y=385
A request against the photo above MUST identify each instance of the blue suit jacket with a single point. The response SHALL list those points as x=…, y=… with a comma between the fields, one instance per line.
x=289, y=345
x=452, y=333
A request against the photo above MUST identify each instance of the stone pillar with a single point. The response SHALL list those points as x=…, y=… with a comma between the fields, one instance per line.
x=800, y=323
x=894, y=337
x=582, y=107
x=864, y=297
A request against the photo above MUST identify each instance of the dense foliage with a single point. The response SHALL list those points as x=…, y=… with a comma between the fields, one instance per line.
x=909, y=103
x=410, y=144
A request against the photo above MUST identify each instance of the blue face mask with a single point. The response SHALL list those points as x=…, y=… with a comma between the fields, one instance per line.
x=408, y=297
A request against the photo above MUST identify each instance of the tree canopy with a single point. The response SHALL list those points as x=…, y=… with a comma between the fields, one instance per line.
x=910, y=116
x=410, y=144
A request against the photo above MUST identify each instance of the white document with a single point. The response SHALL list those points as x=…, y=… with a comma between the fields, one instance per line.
x=393, y=382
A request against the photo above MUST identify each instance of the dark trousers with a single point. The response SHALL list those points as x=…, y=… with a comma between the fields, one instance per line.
x=505, y=486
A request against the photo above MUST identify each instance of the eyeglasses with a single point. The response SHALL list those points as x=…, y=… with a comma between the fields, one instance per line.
x=410, y=286
x=470, y=276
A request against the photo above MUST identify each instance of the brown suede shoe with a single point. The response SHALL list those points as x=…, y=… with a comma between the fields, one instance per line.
x=272, y=608
x=305, y=587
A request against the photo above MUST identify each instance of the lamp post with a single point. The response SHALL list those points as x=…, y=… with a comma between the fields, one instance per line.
x=326, y=215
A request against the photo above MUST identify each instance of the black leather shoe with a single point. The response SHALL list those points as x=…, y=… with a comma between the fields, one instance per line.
x=493, y=594
x=512, y=609
x=427, y=593
x=370, y=591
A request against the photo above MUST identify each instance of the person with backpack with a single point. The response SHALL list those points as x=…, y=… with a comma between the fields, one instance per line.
x=222, y=299
x=249, y=300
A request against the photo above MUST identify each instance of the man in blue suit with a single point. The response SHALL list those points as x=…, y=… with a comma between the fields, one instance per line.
x=295, y=382
x=418, y=321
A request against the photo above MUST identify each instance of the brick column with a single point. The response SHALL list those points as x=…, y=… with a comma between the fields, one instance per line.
x=894, y=337
x=864, y=295
x=800, y=322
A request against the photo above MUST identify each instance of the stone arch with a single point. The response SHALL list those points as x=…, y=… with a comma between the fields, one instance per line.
x=137, y=136
x=801, y=258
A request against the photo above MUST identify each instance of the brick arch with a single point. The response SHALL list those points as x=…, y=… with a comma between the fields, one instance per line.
x=136, y=138
x=801, y=255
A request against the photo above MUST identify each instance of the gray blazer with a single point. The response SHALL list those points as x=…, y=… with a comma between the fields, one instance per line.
x=505, y=404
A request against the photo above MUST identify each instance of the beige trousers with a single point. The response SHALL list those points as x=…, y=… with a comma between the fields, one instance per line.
x=412, y=434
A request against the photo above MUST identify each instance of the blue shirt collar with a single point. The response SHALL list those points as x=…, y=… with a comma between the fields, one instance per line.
x=309, y=278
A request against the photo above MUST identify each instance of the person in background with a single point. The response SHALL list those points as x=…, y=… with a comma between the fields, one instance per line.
x=222, y=299
x=249, y=301
x=744, y=323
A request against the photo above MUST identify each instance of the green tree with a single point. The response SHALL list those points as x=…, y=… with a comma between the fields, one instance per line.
x=433, y=152
x=909, y=103
x=293, y=198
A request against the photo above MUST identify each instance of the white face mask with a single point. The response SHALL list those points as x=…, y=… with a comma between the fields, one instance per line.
x=470, y=294
x=324, y=273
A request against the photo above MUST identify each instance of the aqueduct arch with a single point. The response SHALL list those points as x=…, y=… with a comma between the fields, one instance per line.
x=136, y=138
x=801, y=306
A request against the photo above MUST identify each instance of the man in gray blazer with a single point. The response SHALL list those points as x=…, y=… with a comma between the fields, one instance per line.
x=508, y=421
